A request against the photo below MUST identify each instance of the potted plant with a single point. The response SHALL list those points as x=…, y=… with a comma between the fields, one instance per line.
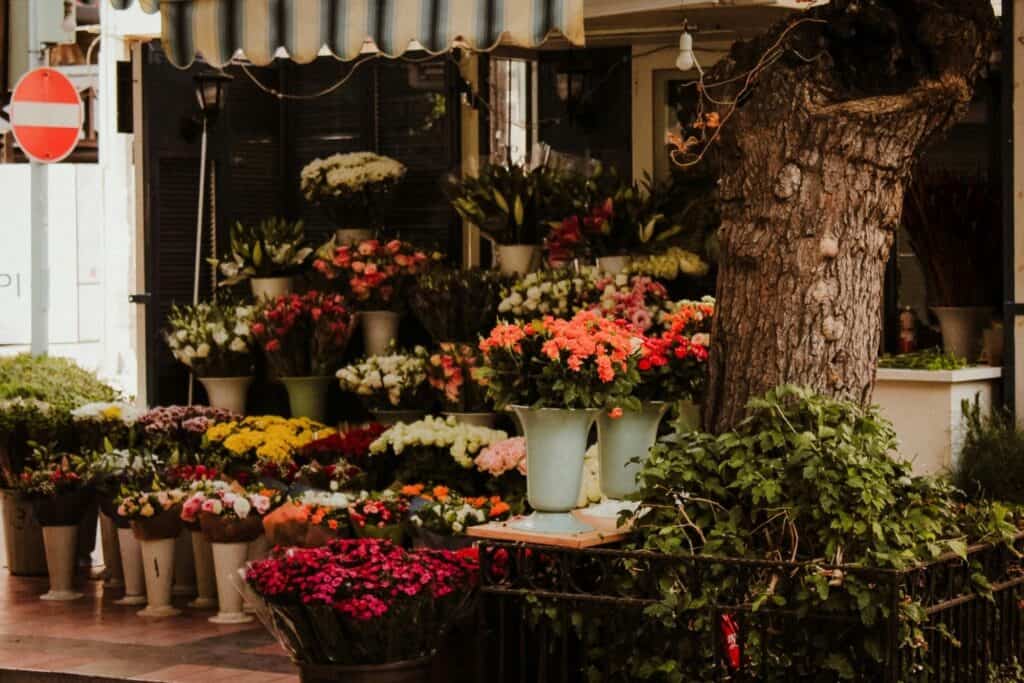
x=215, y=340
x=512, y=207
x=230, y=517
x=456, y=305
x=439, y=518
x=351, y=189
x=557, y=375
x=453, y=372
x=310, y=520
x=391, y=386
x=362, y=610
x=673, y=372
x=155, y=514
x=304, y=337
x=268, y=254
x=953, y=223
x=56, y=487
x=374, y=276
x=558, y=293
x=436, y=450
x=379, y=515
x=108, y=472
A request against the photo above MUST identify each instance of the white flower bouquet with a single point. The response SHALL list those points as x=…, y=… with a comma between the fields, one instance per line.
x=213, y=339
x=559, y=293
x=103, y=426
x=351, y=187
x=392, y=381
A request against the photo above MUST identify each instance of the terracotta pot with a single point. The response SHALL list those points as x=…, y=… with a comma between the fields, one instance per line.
x=411, y=671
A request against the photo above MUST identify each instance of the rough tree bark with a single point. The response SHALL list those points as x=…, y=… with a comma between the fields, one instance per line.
x=814, y=163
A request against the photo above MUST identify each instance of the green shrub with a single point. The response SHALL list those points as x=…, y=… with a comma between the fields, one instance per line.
x=991, y=461
x=929, y=359
x=57, y=381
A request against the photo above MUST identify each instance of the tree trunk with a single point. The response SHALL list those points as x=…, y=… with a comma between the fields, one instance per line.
x=814, y=164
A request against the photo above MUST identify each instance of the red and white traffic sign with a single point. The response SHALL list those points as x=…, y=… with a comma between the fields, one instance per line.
x=46, y=115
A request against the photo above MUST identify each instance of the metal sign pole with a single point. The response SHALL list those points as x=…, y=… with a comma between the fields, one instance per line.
x=40, y=215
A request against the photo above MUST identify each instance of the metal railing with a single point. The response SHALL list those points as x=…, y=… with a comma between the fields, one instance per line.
x=533, y=599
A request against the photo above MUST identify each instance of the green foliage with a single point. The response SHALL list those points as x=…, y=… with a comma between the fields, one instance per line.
x=808, y=480
x=512, y=205
x=929, y=359
x=991, y=461
x=57, y=381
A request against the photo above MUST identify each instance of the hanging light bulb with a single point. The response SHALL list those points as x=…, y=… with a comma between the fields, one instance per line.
x=686, y=59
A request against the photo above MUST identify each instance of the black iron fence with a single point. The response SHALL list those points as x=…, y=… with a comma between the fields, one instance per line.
x=557, y=615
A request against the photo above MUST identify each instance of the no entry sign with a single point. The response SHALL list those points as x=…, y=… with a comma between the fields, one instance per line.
x=46, y=115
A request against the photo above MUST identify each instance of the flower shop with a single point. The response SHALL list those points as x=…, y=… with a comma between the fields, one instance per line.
x=407, y=467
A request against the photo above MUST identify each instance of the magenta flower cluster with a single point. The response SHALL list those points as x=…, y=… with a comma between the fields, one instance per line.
x=363, y=579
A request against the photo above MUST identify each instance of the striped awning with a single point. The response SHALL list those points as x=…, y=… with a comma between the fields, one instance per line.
x=217, y=29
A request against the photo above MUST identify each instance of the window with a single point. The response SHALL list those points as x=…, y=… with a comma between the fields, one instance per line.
x=512, y=110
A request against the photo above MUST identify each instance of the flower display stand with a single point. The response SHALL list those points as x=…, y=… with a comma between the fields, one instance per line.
x=61, y=542
x=131, y=566
x=228, y=558
x=507, y=531
x=206, y=578
x=925, y=408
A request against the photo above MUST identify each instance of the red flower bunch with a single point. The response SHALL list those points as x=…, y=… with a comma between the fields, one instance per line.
x=304, y=334
x=353, y=445
x=453, y=372
x=371, y=271
x=379, y=510
x=285, y=472
x=373, y=582
x=588, y=361
x=182, y=475
x=576, y=236
x=565, y=242
x=673, y=364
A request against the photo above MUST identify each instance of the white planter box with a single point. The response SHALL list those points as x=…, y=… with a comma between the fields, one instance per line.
x=924, y=406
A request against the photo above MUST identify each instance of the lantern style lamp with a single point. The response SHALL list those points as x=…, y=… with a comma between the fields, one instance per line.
x=210, y=86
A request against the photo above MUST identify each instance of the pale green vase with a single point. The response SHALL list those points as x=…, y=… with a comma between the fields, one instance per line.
x=556, y=442
x=625, y=444
x=307, y=396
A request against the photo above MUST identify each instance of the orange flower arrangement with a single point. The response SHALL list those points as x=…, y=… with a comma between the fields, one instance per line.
x=588, y=361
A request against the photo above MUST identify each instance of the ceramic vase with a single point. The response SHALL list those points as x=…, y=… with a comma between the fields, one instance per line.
x=625, y=445
x=111, y=553
x=518, y=259
x=307, y=396
x=477, y=419
x=158, y=568
x=343, y=236
x=270, y=287
x=961, y=329
x=206, y=578
x=228, y=393
x=556, y=443
x=184, y=566
x=131, y=566
x=228, y=558
x=613, y=265
x=380, y=328
x=60, y=543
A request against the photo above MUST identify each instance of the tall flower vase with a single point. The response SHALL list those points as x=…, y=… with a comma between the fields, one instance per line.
x=158, y=566
x=228, y=393
x=556, y=442
x=307, y=396
x=270, y=287
x=613, y=265
x=111, y=553
x=380, y=328
x=518, y=259
x=228, y=558
x=625, y=445
x=961, y=329
x=184, y=566
x=60, y=543
x=131, y=565
x=206, y=578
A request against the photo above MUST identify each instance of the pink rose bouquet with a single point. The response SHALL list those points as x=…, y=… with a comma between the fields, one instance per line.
x=372, y=273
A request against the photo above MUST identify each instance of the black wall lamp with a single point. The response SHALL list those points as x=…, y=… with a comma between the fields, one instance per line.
x=210, y=90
